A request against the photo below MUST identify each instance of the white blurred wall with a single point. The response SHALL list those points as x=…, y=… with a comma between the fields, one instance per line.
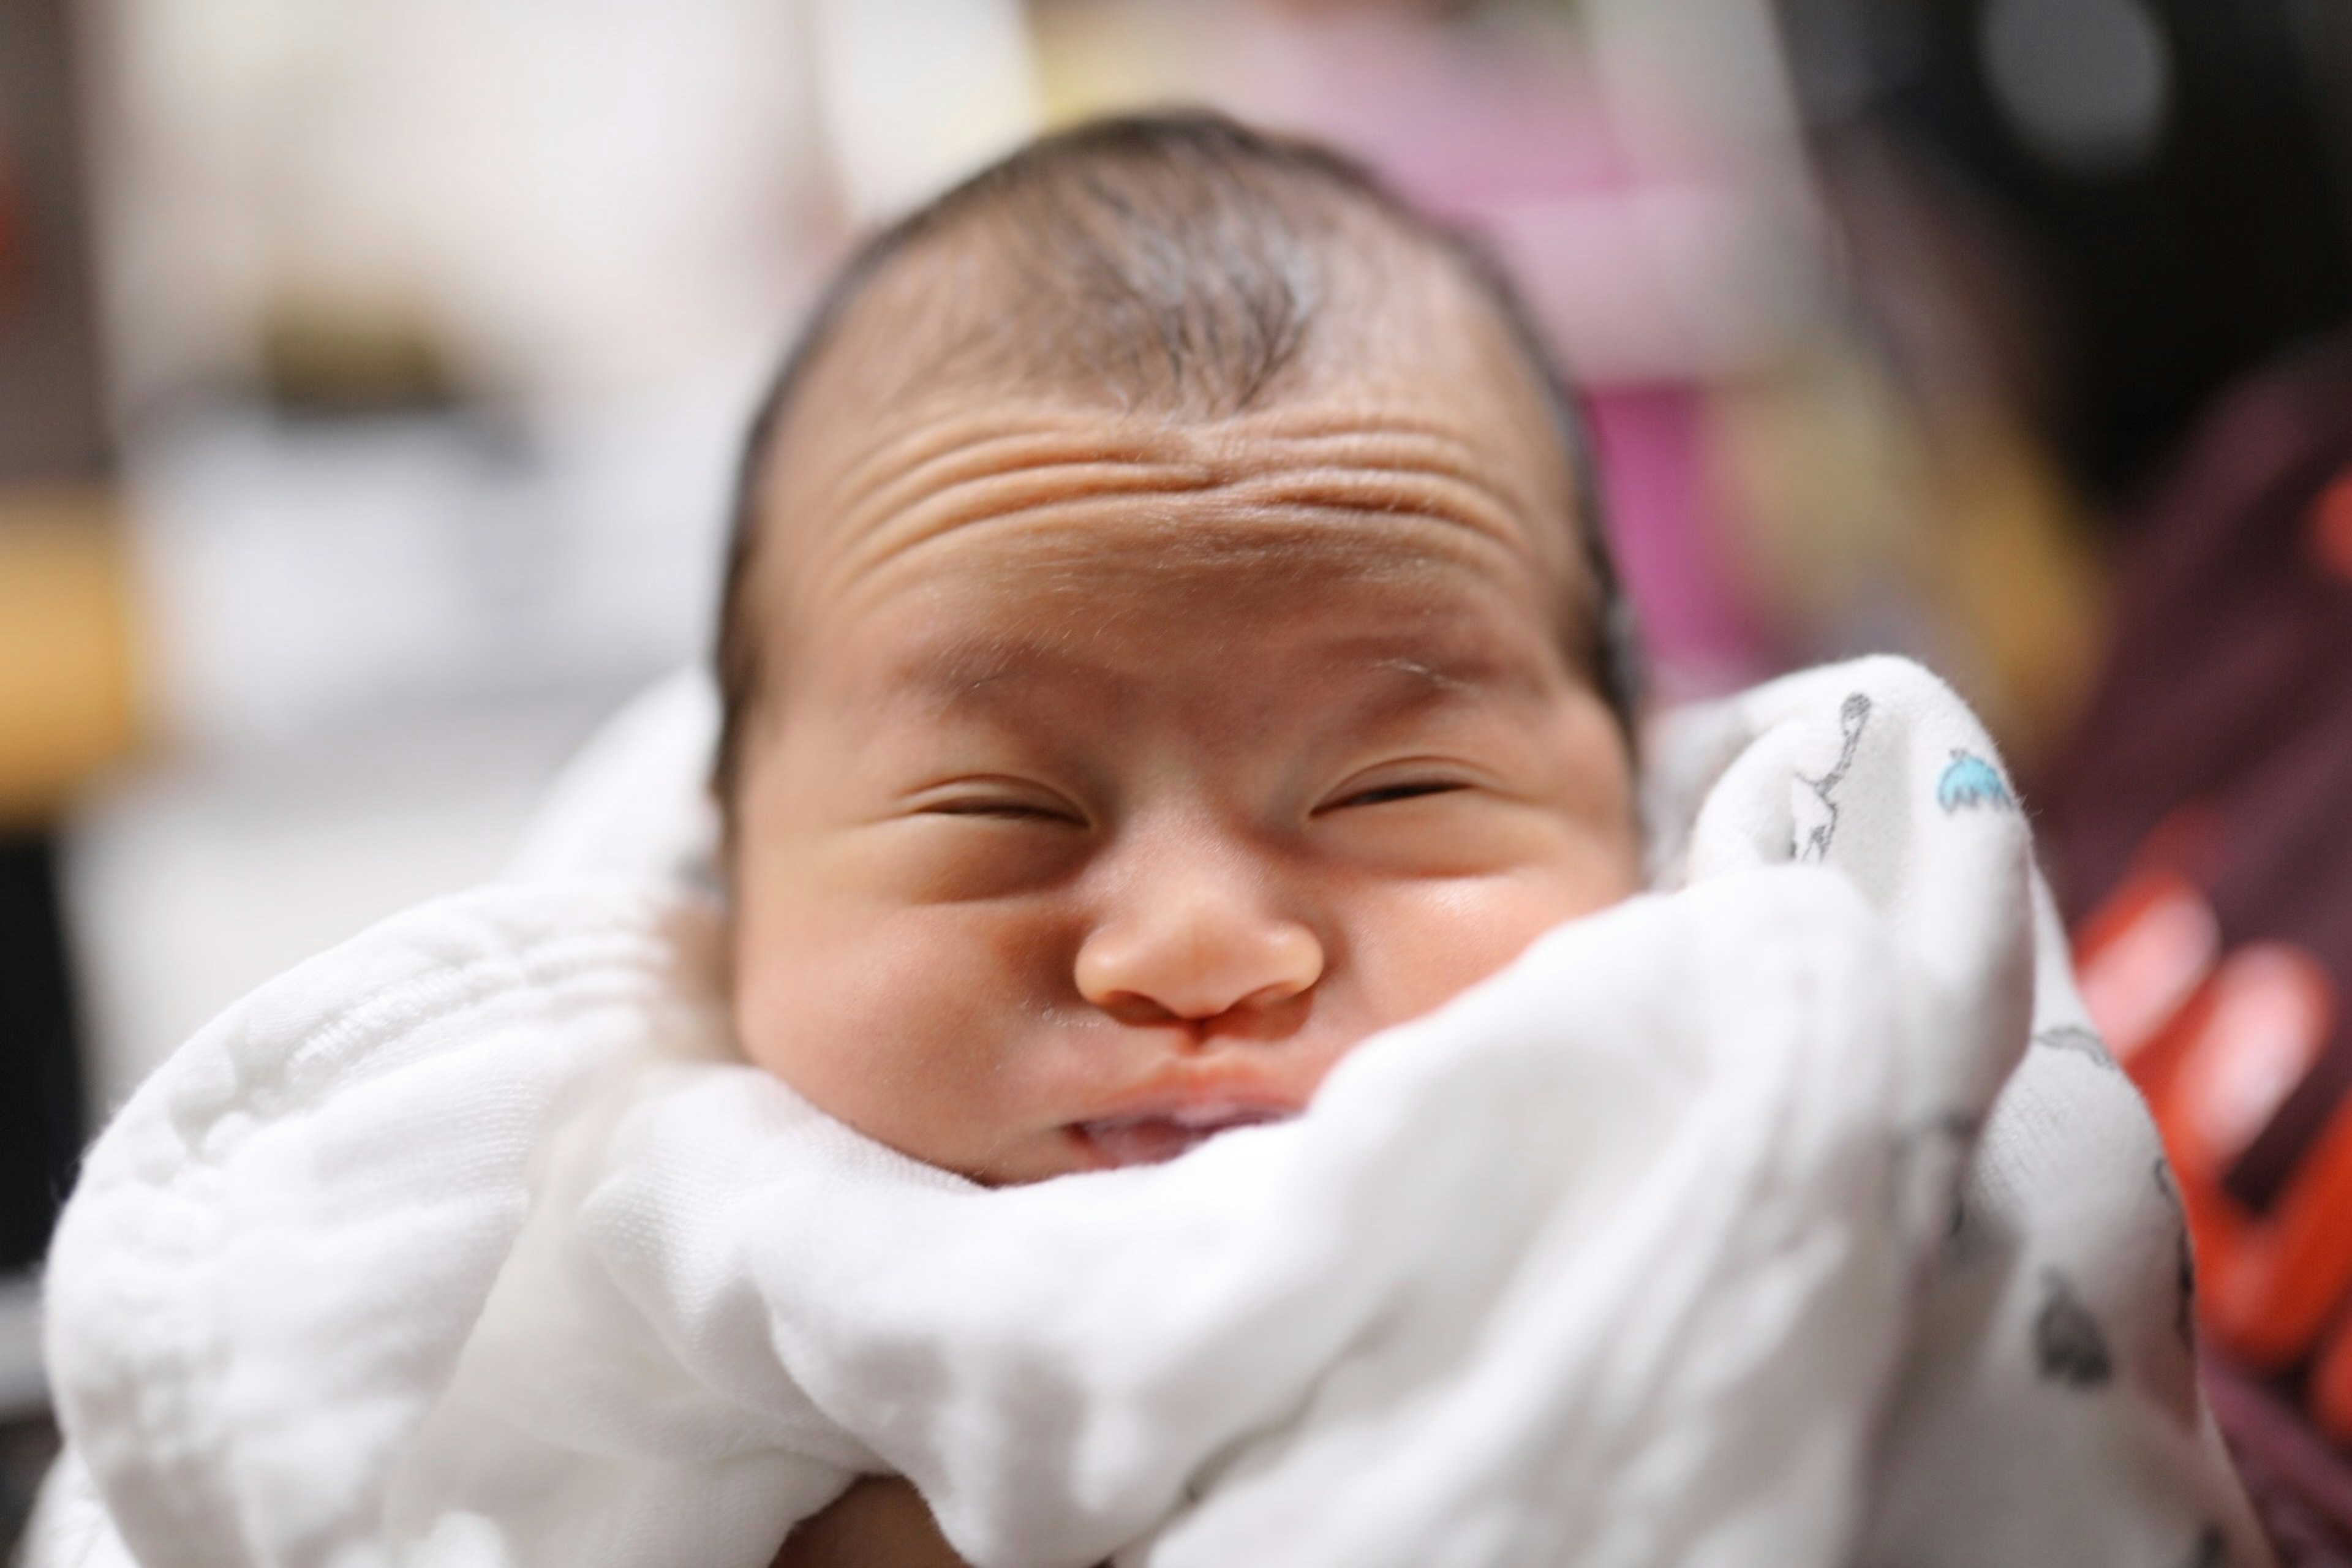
x=372, y=638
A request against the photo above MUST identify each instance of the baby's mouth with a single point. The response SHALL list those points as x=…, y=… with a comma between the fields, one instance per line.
x=1153, y=1137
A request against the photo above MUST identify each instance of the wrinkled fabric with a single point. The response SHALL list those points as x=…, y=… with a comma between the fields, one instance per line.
x=1791, y=1213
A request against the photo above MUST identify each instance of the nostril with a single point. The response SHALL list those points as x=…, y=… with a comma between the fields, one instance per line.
x=1261, y=1011
x=1138, y=1009
x=1134, y=1008
x=1267, y=996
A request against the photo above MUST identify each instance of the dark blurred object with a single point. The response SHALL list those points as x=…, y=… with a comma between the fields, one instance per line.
x=56, y=583
x=52, y=425
x=2199, y=825
x=321, y=362
x=2301, y=1490
x=2174, y=173
x=27, y=1446
x=2218, y=746
x=40, y=1112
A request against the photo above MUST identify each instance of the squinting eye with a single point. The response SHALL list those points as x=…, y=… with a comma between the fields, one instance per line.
x=1381, y=794
x=1002, y=810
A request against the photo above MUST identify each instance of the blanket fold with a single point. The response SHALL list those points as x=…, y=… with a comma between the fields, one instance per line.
x=1791, y=1213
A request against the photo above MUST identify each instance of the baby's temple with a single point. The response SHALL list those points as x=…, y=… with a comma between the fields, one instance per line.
x=1329, y=896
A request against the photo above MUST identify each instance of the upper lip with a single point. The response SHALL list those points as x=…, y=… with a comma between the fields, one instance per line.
x=1194, y=1096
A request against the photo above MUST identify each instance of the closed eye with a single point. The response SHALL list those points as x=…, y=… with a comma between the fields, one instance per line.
x=1403, y=789
x=1003, y=807
x=1002, y=810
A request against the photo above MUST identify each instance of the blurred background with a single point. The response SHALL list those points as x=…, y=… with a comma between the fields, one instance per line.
x=371, y=371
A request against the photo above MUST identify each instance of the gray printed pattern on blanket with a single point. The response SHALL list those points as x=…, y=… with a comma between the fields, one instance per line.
x=2068, y=1349
x=2069, y=1346
x=2082, y=1042
x=1853, y=717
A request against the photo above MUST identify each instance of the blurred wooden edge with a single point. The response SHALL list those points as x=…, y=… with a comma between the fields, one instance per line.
x=69, y=703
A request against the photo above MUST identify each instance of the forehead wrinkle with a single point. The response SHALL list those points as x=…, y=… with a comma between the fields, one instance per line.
x=940, y=459
x=1035, y=495
x=943, y=449
x=1380, y=436
x=1390, y=491
x=1009, y=479
x=1089, y=547
x=1354, y=474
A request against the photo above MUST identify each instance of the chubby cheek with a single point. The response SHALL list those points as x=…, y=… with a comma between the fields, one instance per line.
x=897, y=1024
x=1417, y=946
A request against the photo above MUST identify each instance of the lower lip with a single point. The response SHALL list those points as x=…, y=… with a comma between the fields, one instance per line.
x=1155, y=1140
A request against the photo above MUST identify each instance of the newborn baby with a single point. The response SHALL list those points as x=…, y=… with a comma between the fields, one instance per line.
x=1168, y=650
x=1168, y=641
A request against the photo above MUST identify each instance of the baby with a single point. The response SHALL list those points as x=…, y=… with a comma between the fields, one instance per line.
x=1168, y=639
x=1168, y=642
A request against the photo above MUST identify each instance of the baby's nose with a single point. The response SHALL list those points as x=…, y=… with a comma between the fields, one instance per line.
x=1195, y=955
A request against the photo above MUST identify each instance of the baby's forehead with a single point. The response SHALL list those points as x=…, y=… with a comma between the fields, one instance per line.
x=954, y=328
x=1375, y=475
x=942, y=393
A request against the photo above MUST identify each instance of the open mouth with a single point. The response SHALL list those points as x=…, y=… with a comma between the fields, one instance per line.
x=1153, y=1137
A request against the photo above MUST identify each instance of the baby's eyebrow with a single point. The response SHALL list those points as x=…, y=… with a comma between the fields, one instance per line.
x=953, y=674
x=1370, y=681
x=1455, y=676
x=1401, y=686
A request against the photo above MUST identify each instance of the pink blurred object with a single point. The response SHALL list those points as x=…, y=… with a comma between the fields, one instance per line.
x=1653, y=457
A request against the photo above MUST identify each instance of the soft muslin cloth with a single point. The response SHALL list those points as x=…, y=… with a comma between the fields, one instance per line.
x=1790, y=1214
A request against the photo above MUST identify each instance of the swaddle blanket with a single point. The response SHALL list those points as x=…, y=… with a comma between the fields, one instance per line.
x=1790, y=1214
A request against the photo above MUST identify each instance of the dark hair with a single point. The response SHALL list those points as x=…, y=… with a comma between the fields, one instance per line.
x=1176, y=257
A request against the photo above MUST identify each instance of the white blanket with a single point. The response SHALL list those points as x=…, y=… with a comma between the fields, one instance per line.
x=1791, y=1214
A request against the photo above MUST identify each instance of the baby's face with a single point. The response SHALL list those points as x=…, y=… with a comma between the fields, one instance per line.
x=1114, y=777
